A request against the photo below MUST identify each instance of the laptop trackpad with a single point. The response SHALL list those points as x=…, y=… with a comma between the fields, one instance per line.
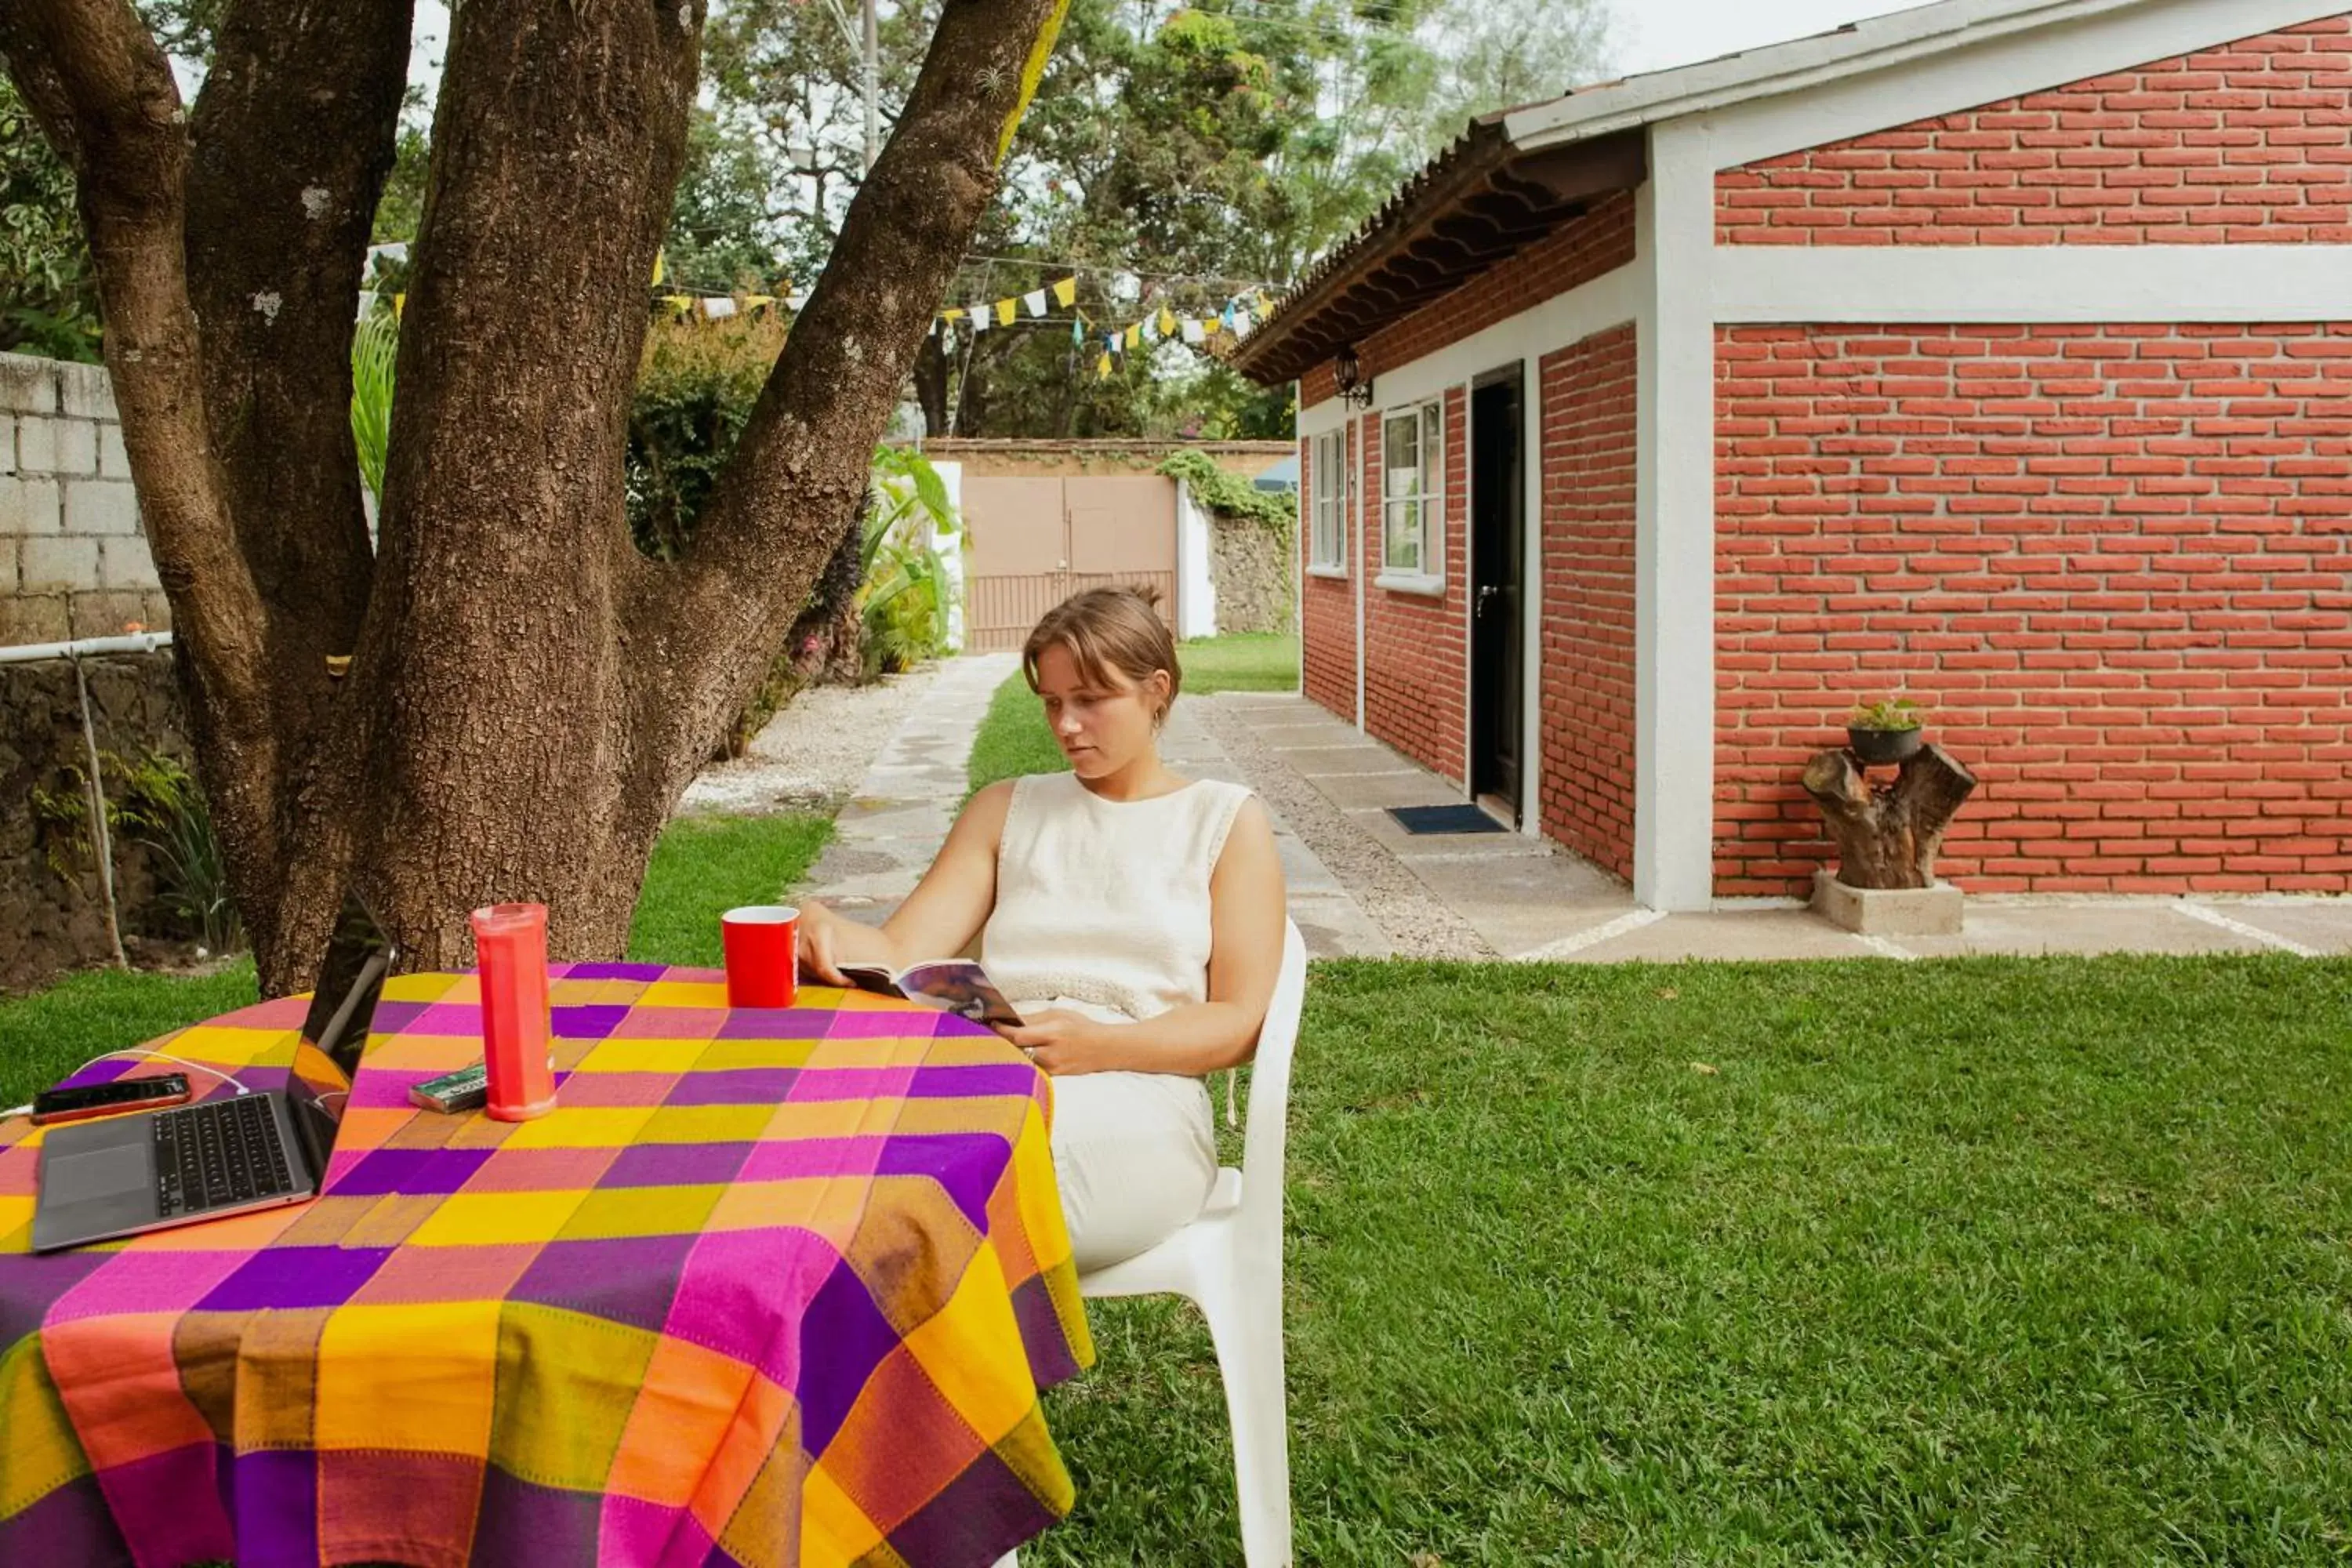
x=98, y=1173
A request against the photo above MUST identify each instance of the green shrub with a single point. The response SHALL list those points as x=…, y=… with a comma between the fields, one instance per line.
x=374, y=346
x=696, y=385
x=154, y=802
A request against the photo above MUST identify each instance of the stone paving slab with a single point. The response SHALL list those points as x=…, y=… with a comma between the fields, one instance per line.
x=2322, y=928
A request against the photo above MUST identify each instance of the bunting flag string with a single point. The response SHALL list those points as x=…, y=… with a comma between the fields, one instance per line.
x=1158, y=322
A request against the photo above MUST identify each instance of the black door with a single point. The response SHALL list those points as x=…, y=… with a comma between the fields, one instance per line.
x=1497, y=539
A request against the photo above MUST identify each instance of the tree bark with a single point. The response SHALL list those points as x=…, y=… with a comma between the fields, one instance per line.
x=528, y=695
x=1887, y=834
x=103, y=94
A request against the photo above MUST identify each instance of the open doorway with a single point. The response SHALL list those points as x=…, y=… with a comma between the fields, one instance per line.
x=1498, y=554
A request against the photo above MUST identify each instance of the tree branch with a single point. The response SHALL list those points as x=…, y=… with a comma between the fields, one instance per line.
x=293, y=133
x=802, y=463
x=103, y=93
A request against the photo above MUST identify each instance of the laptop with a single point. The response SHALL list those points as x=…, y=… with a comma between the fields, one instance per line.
x=228, y=1155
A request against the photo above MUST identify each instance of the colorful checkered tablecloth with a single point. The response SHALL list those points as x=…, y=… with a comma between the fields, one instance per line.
x=768, y=1288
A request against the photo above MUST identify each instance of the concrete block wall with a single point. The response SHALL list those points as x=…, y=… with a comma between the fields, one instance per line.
x=73, y=560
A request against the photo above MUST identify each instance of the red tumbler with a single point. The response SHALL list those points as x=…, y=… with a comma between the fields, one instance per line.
x=518, y=1047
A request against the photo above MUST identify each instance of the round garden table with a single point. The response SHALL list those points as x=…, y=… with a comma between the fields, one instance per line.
x=769, y=1286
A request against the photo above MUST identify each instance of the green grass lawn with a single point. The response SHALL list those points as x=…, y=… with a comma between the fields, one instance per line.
x=1996, y=1261
x=1014, y=740
x=1248, y=661
x=702, y=867
x=2003, y=1261
x=705, y=866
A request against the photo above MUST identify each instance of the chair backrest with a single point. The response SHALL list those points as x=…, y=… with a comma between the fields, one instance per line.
x=1267, y=1136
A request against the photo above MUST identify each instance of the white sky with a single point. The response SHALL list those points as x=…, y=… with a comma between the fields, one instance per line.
x=1652, y=35
x=1646, y=35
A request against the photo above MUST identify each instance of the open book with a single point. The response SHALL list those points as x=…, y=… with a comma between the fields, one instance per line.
x=958, y=985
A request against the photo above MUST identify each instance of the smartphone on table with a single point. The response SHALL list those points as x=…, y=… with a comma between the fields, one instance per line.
x=83, y=1101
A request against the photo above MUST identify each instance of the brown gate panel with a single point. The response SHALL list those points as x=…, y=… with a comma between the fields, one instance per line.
x=1034, y=542
x=1123, y=534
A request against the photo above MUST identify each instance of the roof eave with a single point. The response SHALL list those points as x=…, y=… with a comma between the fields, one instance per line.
x=1488, y=199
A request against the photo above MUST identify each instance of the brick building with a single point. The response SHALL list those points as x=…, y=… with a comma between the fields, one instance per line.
x=1999, y=352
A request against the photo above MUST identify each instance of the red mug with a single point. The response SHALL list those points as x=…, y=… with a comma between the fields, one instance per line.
x=761, y=946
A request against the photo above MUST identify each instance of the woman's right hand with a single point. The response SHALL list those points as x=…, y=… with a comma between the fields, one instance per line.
x=820, y=945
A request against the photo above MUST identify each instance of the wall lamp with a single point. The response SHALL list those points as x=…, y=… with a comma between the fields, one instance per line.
x=1355, y=391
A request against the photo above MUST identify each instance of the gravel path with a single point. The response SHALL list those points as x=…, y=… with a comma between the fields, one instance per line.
x=1417, y=922
x=814, y=755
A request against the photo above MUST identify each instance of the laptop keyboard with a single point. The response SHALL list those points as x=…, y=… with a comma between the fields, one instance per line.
x=220, y=1152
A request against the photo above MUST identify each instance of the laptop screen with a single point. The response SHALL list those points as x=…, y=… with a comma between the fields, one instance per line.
x=342, y=1005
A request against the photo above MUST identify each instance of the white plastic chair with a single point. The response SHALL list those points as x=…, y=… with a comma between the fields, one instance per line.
x=1229, y=1263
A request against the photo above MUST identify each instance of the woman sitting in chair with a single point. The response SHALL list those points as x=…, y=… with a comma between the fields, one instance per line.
x=1134, y=920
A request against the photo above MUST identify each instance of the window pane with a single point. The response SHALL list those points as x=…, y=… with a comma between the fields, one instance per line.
x=1402, y=546
x=1401, y=444
x=1430, y=450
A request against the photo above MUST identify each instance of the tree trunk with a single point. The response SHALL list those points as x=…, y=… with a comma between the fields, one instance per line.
x=528, y=695
x=1887, y=835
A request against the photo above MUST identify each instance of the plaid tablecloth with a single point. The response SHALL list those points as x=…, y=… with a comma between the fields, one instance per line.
x=769, y=1287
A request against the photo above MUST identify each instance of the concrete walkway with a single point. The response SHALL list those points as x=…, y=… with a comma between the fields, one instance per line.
x=888, y=833
x=1505, y=895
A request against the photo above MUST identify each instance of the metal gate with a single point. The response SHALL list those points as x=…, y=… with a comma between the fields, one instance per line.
x=1036, y=542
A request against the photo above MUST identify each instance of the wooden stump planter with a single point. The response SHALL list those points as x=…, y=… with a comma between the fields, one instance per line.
x=1887, y=833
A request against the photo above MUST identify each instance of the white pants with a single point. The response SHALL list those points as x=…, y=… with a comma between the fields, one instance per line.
x=1135, y=1154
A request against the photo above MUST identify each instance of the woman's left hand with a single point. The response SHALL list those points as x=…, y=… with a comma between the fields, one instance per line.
x=1062, y=1042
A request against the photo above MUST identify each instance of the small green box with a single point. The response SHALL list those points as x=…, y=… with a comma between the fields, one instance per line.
x=468, y=1088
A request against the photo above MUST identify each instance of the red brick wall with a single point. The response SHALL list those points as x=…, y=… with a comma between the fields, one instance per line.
x=2114, y=561
x=1597, y=243
x=1414, y=651
x=2247, y=143
x=1587, y=686
x=1326, y=609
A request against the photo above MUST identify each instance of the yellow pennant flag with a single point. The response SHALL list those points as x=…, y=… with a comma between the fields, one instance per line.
x=1135, y=335
x=752, y=301
x=661, y=262
x=953, y=313
x=1102, y=368
x=680, y=304
x=397, y=302
x=1005, y=309
x=1167, y=323
x=1210, y=324
x=1065, y=292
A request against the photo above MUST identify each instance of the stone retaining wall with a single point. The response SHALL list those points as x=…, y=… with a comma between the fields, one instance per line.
x=52, y=913
x=73, y=562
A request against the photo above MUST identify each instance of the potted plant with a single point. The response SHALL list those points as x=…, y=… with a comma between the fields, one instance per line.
x=1885, y=731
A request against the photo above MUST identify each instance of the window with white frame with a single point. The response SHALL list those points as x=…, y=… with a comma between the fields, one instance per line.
x=1413, y=495
x=1330, y=482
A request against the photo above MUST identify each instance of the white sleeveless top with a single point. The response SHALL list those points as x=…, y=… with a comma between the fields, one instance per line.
x=1105, y=902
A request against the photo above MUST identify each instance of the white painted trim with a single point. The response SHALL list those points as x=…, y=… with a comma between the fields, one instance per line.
x=1432, y=540
x=1354, y=443
x=1673, y=556
x=1314, y=501
x=1196, y=581
x=1531, y=589
x=1767, y=283
x=1984, y=65
x=1608, y=300
x=1469, y=589
x=1329, y=414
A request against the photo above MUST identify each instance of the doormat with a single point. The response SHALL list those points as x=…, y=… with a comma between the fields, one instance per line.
x=1418, y=819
